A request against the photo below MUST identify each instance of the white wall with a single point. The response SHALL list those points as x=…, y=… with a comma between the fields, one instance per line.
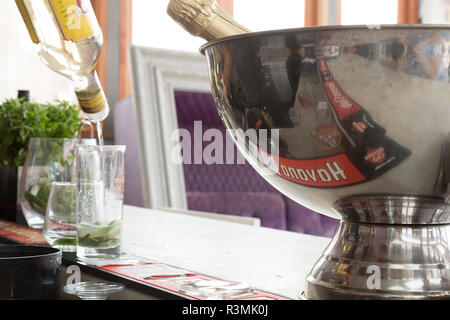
x=262, y=15
x=152, y=27
x=357, y=12
x=20, y=67
x=435, y=11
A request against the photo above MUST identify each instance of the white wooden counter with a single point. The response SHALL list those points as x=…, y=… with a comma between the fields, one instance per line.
x=270, y=260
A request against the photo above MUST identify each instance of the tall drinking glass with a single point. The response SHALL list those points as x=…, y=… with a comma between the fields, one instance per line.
x=100, y=191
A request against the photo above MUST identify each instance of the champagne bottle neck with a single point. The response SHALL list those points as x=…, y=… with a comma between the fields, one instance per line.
x=204, y=18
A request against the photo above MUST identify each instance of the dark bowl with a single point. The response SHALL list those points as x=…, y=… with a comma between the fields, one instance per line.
x=360, y=116
x=29, y=272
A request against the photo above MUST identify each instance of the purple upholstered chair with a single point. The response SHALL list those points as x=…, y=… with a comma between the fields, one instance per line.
x=220, y=188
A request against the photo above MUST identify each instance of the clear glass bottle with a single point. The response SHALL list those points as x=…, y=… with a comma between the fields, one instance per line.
x=69, y=42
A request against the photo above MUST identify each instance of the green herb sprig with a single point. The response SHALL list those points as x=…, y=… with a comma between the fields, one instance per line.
x=21, y=120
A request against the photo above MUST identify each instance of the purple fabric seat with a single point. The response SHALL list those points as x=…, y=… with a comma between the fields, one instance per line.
x=269, y=207
x=220, y=188
x=213, y=188
x=304, y=220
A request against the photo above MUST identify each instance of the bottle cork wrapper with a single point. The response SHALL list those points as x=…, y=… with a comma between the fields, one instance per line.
x=92, y=105
x=204, y=18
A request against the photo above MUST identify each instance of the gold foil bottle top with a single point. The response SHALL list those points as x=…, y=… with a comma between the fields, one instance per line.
x=204, y=18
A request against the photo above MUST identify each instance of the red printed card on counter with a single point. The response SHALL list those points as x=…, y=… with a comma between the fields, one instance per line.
x=170, y=278
x=22, y=234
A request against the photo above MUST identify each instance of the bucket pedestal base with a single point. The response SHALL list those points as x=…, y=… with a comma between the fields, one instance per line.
x=377, y=261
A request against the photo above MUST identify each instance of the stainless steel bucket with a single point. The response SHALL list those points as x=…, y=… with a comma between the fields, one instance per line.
x=351, y=122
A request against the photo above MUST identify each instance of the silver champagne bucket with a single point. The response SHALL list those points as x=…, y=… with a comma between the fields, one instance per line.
x=357, y=120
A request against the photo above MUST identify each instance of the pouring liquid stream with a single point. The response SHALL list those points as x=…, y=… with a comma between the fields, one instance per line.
x=101, y=144
x=100, y=135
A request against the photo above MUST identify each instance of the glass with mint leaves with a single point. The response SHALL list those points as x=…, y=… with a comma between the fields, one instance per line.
x=48, y=160
x=100, y=191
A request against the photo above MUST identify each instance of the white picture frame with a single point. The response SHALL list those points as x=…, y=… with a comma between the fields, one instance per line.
x=156, y=74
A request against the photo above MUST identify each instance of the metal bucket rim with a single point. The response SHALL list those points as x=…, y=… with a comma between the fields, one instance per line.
x=369, y=27
x=39, y=252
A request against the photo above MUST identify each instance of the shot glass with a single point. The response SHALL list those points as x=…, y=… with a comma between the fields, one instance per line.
x=60, y=218
x=99, y=205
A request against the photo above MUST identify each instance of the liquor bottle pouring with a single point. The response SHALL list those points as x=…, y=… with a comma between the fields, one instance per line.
x=69, y=41
x=380, y=163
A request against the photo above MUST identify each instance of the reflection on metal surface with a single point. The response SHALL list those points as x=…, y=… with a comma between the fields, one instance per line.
x=363, y=122
x=392, y=209
x=383, y=261
x=358, y=111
